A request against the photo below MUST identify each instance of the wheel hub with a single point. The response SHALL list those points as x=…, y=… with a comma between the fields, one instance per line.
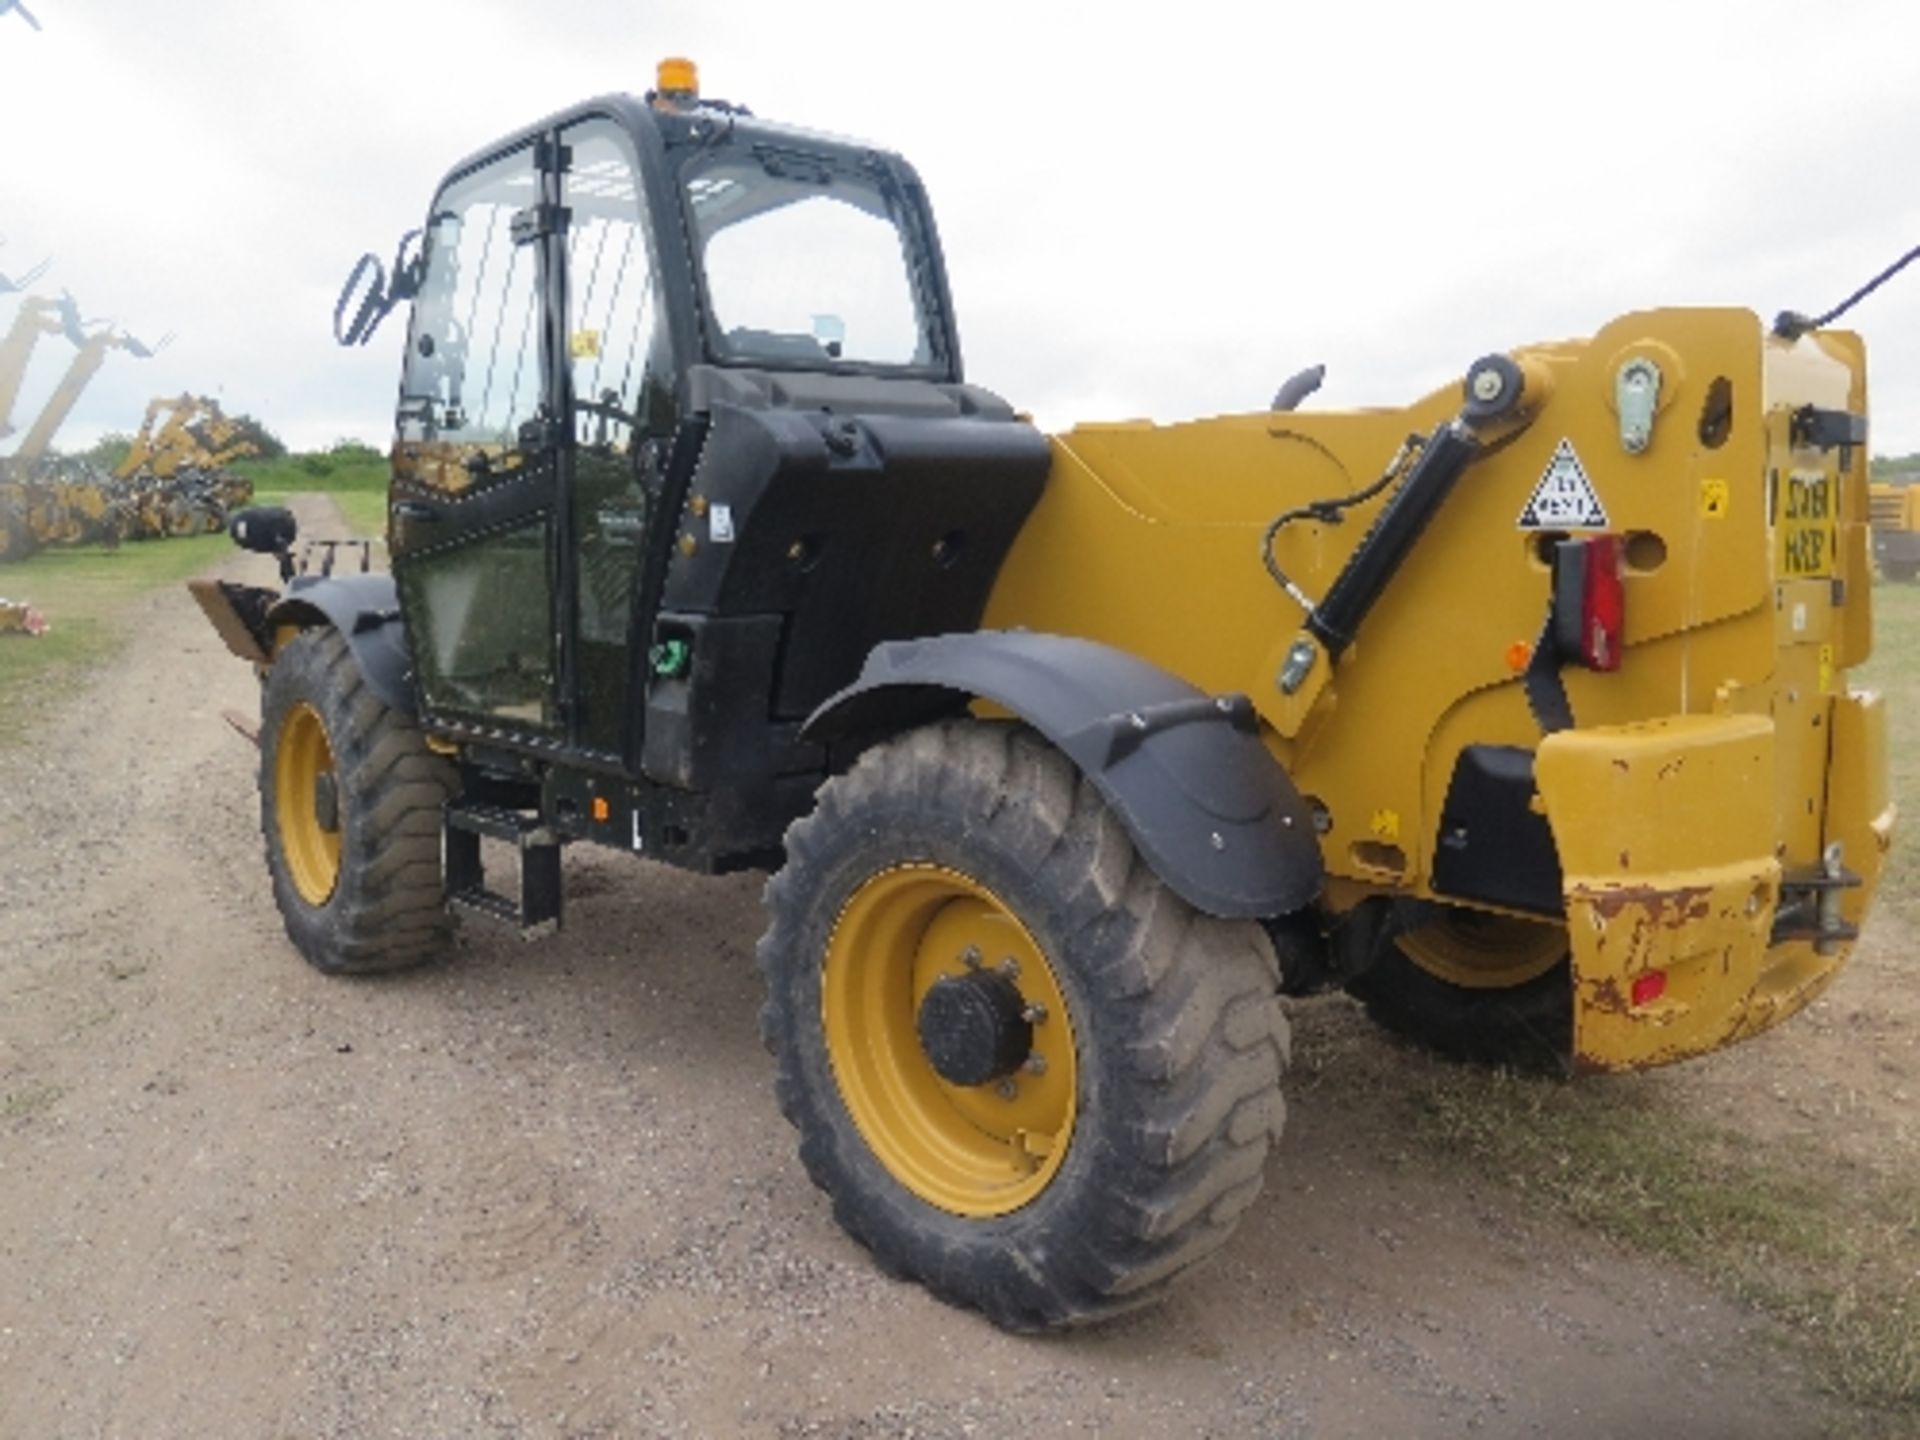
x=973, y=1027
x=922, y=1037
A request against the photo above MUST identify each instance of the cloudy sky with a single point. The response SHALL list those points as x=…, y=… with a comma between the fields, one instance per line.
x=1156, y=210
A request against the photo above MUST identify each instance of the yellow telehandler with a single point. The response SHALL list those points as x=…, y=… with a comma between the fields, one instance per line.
x=1522, y=711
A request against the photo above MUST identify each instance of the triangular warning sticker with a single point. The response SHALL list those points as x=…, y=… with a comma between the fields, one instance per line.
x=1565, y=498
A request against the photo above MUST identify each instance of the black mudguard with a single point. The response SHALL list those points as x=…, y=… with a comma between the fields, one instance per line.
x=365, y=609
x=1205, y=803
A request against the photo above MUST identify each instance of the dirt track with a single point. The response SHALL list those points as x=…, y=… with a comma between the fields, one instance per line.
x=543, y=1190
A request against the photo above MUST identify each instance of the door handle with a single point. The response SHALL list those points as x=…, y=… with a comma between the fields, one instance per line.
x=416, y=512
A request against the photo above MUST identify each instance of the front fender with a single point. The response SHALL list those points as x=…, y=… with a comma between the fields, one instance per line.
x=365, y=609
x=1204, y=802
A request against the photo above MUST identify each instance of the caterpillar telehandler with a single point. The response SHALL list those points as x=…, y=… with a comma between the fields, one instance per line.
x=1522, y=712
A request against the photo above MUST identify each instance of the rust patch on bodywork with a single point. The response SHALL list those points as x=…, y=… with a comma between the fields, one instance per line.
x=1671, y=908
x=1720, y=983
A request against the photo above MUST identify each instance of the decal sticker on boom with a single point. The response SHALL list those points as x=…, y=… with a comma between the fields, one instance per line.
x=1565, y=498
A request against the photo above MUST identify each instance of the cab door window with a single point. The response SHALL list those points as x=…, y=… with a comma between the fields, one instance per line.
x=473, y=497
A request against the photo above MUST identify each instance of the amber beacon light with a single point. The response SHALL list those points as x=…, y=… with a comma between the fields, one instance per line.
x=677, y=76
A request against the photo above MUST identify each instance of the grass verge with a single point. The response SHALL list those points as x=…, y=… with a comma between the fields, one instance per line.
x=356, y=478
x=82, y=592
x=1894, y=670
x=1831, y=1252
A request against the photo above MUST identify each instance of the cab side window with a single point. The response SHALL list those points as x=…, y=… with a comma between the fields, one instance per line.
x=472, y=375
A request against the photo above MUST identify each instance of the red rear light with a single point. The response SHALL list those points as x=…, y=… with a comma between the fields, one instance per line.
x=1603, y=609
x=1589, y=601
x=1648, y=986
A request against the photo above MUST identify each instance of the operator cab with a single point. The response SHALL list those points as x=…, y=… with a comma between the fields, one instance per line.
x=681, y=435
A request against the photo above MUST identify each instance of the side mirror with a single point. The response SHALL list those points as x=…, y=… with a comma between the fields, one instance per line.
x=366, y=319
x=376, y=293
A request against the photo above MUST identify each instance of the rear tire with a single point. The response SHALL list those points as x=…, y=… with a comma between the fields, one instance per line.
x=1474, y=987
x=1172, y=1033
x=351, y=808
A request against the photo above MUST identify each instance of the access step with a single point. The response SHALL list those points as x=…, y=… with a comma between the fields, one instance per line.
x=537, y=911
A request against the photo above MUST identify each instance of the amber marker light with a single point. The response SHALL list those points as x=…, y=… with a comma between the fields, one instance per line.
x=677, y=76
x=1519, y=656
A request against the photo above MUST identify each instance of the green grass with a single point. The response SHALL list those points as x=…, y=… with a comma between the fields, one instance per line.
x=1831, y=1252
x=84, y=594
x=357, y=484
x=1895, y=671
x=364, y=470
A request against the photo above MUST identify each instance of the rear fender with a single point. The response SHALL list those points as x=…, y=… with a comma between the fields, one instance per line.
x=1205, y=803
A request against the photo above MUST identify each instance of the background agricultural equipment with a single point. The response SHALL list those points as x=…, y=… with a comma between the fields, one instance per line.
x=171, y=482
x=11, y=284
x=174, y=479
x=1520, y=712
x=1896, y=525
x=55, y=501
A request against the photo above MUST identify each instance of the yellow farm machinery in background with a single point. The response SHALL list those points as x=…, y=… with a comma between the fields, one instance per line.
x=173, y=479
x=1894, y=507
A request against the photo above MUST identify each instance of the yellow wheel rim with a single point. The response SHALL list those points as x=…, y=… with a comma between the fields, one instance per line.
x=309, y=839
x=972, y=1150
x=1478, y=951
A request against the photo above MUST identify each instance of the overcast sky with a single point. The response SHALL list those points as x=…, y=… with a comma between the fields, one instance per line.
x=1157, y=210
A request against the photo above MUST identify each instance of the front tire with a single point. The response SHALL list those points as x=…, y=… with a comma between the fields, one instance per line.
x=960, y=905
x=351, y=806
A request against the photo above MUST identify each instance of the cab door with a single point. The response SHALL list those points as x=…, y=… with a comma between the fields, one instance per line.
x=536, y=403
x=476, y=474
x=620, y=400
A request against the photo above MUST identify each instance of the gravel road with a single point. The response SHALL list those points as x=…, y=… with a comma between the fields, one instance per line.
x=542, y=1190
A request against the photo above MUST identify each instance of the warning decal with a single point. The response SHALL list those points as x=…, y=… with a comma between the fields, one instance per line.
x=1565, y=498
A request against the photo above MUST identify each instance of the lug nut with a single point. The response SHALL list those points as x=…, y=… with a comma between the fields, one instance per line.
x=1010, y=968
x=1007, y=1089
x=970, y=957
x=1035, y=1013
x=1035, y=1064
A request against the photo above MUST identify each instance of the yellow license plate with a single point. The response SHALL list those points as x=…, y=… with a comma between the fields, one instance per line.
x=1806, y=523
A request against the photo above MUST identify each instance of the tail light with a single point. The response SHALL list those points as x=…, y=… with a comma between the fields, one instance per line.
x=1589, y=601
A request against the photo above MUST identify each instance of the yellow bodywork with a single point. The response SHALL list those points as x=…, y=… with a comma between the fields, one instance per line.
x=1726, y=750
